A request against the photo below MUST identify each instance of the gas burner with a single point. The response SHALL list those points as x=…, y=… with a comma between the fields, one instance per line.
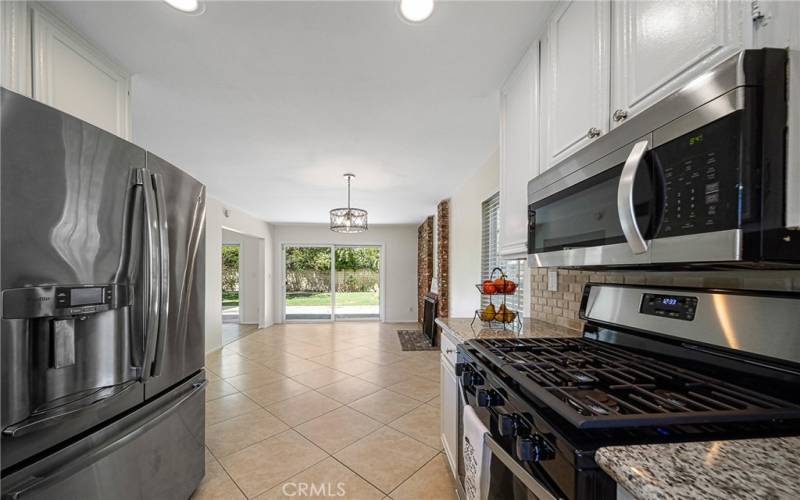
x=598, y=402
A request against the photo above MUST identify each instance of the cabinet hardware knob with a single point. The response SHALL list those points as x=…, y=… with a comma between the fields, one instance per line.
x=593, y=132
x=620, y=115
x=449, y=351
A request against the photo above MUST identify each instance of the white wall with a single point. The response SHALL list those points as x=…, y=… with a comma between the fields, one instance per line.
x=239, y=222
x=400, y=261
x=465, y=239
x=251, y=282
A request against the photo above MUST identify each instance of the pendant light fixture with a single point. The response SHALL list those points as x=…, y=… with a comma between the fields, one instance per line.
x=348, y=220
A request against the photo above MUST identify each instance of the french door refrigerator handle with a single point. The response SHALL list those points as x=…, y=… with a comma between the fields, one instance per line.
x=538, y=489
x=53, y=476
x=152, y=281
x=184, y=287
x=625, y=206
x=163, y=310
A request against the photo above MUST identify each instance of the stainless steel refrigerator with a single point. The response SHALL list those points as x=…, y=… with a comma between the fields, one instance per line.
x=102, y=313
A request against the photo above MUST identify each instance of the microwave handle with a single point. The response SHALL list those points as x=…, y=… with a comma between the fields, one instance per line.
x=625, y=208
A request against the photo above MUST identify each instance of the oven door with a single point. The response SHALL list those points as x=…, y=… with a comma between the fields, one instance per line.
x=509, y=480
x=602, y=214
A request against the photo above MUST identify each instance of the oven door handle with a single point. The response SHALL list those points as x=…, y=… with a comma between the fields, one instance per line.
x=625, y=206
x=538, y=489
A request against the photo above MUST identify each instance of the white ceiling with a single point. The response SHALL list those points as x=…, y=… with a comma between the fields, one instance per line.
x=269, y=103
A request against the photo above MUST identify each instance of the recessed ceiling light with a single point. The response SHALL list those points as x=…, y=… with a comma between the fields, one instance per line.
x=416, y=11
x=194, y=7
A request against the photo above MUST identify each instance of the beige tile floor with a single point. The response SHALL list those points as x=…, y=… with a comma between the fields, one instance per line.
x=324, y=410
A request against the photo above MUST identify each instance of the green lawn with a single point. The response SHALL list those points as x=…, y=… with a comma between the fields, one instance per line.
x=230, y=298
x=324, y=299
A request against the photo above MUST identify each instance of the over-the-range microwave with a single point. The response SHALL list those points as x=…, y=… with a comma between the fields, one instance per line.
x=700, y=178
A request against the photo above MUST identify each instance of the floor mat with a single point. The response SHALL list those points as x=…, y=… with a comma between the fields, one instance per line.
x=415, y=340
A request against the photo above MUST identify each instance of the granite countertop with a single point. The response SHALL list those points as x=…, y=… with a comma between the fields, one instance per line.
x=460, y=330
x=741, y=469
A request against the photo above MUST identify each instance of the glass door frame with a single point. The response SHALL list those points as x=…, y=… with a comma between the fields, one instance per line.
x=333, y=246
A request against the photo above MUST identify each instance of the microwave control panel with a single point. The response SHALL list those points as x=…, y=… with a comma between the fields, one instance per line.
x=700, y=171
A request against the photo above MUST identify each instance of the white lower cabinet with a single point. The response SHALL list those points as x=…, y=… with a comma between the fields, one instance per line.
x=449, y=410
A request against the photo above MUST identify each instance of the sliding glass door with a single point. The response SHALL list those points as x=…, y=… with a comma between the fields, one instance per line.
x=308, y=283
x=358, y=281
x=332, y=282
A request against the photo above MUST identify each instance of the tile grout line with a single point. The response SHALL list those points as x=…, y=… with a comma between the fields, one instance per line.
x=412, y=475
x=219, y=462
x=359, y=475
x=353, y=471
x=373, y=432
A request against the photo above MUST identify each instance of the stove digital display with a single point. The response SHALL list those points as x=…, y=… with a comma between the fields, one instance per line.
x=669, y=306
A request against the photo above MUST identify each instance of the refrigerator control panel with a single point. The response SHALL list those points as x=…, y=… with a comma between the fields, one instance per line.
x=60, y=301
x=82, y=296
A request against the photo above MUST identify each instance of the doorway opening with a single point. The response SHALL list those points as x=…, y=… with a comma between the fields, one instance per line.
x=230, y=283
x=332, y=282
x=240, y=284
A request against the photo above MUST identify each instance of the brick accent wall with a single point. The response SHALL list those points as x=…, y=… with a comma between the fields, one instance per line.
x=424, y=263
x=561, y=307
x=443, y=251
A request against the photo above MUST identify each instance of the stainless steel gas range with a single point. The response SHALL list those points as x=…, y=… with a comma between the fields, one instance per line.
x=654, y=365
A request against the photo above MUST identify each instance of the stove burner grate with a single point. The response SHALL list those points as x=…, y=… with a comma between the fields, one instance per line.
x=594, y=384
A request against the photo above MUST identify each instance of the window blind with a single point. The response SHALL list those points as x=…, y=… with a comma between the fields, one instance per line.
x=490, y=255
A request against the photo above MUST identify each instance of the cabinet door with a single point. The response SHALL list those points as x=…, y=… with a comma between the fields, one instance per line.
x=575, y=76
x=519, y=146
x=449, y=412
x=660, y=46
x=69, y=74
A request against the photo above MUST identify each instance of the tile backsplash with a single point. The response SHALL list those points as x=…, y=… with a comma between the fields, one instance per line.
x=561, y=307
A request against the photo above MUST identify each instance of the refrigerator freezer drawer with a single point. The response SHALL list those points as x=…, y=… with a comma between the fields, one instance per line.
x=155, y=452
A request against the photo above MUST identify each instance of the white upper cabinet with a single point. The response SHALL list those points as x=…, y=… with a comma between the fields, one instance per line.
x=519, y=134
x=71, y=75
x=659, y=46
x=575, y=78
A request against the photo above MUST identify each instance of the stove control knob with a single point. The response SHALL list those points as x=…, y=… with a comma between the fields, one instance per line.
x=533, y=449
x=469, y=378
x=489, y=397
x=507, y=425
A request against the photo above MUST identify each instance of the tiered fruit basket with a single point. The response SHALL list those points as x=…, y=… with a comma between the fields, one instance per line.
x=498, y=315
